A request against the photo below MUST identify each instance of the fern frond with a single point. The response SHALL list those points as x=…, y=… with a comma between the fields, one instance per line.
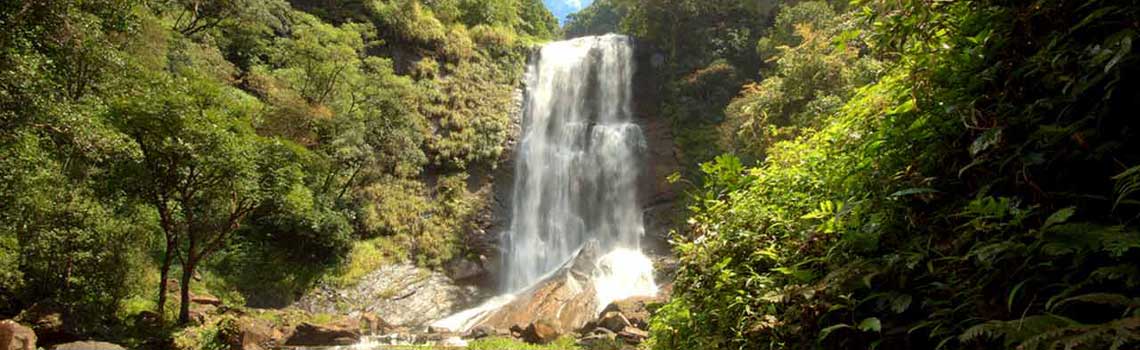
x=1109, y=299
x=1127, y=183
x=1119, y=334
x=1016, y=331
x=1128, y=273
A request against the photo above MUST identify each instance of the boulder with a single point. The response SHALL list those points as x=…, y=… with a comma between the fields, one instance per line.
x=614, y=321
x=308, y=334
x=14, y=336
x=88, y=345
x=248, y=334
x=632, y=335
x=566, y=298
x=636, y=310
x=540, y=332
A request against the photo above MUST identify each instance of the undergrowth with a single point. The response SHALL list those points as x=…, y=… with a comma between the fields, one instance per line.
x=980, y=194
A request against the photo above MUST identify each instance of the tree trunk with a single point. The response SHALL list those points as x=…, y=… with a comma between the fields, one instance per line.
x=167, y=259
x=184, y=308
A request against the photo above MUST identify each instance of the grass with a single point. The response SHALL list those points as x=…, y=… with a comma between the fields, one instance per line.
x=500, y=343
x=367, y=256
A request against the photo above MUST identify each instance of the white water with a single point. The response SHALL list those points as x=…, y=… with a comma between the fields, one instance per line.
x=621, y=274
x=576, y=174
x=577, y=162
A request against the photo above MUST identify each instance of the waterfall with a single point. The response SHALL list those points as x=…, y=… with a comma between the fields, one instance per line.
x=575, y=178
x=575, y=187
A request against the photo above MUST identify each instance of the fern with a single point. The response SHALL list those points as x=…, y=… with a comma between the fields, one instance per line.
x=1015, y=331
x=1109, y=299
x=1083, y=237
x=1128, y=273
x=1119, y=334
x=1127, y=183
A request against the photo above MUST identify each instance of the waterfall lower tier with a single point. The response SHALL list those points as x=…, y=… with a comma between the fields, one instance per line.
x=576, y=227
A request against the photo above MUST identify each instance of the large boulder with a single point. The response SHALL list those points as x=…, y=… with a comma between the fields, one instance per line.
x=88, y=345
x=308, y=334
x=565, y=300
x=14, y=336
x=540, y=332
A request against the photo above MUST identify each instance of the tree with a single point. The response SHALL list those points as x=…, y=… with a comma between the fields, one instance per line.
x=201, y=167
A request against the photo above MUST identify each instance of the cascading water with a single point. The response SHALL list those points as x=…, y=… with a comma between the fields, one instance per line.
x=576, y=175
x=577, y=162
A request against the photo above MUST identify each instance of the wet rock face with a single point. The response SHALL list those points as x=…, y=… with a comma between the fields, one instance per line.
x=564, y=301
x=659, y=199
x=402, y=294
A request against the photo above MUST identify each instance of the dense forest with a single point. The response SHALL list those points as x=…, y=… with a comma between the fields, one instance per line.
x=897, y=174
x=246, y=144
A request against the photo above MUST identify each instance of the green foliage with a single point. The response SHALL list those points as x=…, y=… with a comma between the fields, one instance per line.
x=972, y=196
x=264, y=141
x=814, y=67
x=493, y=343
x=601, y=17
x=61, y=210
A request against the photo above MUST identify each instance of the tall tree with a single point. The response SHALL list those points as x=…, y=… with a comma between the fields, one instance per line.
x=201, y=167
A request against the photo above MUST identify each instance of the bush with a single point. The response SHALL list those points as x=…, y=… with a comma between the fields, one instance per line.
x=961, y=201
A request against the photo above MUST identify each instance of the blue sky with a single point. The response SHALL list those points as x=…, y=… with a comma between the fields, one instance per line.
x=561, y=8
